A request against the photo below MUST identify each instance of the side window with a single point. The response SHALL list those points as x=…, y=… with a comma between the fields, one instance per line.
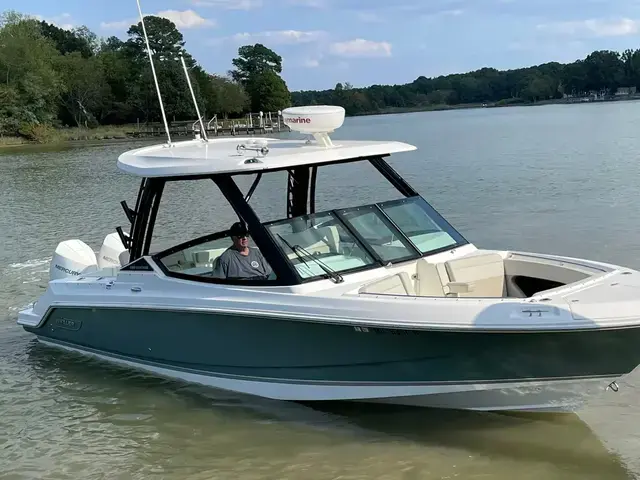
x=188, y=210
x=197, y=260
x=201, y=261
x=269, y=199
x=361, y=177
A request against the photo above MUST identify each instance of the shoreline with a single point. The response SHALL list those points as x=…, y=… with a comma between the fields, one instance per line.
x=471, y=106
x=64, y=138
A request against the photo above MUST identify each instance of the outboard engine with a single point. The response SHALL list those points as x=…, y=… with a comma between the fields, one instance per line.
x=72, y=258
x=111, y=252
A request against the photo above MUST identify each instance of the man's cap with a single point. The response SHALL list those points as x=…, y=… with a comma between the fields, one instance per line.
x=238, y=229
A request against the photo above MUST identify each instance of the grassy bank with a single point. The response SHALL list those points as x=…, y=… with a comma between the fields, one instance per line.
x=52, y=136
x=98, y=135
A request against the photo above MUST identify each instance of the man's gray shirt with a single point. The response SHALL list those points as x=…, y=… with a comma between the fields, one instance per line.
x=232, y=264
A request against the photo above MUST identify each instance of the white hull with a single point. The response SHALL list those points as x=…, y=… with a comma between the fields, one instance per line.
x=540, y=396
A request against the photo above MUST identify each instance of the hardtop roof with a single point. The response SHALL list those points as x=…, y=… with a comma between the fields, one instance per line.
x=222, y=155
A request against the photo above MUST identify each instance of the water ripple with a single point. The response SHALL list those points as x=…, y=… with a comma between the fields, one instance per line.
x=514, y=178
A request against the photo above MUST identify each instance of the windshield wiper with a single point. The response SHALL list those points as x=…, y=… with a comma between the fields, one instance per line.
x=335, y=276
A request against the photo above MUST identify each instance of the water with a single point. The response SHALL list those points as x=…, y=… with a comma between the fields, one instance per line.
x=557, y=179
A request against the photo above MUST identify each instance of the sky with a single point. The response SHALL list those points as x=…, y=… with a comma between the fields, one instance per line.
x=365, y=42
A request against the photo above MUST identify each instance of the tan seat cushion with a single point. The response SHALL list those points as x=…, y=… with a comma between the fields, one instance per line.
x=397, y=284
x=431, y=279
x=485, y=271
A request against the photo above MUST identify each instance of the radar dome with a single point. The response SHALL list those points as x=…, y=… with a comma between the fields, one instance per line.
x=314, y=119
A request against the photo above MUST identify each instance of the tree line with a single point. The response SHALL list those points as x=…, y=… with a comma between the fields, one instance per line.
x=602, y=72
x=52, y=77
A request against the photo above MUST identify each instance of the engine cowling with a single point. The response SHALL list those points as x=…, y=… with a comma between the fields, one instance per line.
x=72, y=258
x=111, y=252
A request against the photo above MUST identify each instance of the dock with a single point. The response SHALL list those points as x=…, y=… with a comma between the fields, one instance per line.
x=251, y=124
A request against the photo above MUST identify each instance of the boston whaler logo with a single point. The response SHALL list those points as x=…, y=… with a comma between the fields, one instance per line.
x=68, y=324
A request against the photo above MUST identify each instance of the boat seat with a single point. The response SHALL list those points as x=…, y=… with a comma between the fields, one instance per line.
x=396, y=284
x=479, y=275
x=484, y=271
x=431, y=279
x=178, y=261
x=206, y=258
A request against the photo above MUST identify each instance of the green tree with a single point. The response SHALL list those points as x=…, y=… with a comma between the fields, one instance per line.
x=268, y=92
x=539, y=87
x=167, y=45
x=176, y=96
x=86, y=94
x=604, y=70
x=165, y=40
x=111, y=44
x=80, y=40
x=254, y=60
x=574, y=78
x=31, y=84
x=120, y=75
x=226, y=96
x=257, y=70
x=631, y=62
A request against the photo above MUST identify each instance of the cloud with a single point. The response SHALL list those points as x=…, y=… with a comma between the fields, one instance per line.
x=274, y=37
x=186, y=19
x=308, y=3
x=369, y=17
x=311, y=63
x=360, y=48
x=118, y=25
x=451, y=13
x=229, y=4
x=64, y=20
x=593, y=27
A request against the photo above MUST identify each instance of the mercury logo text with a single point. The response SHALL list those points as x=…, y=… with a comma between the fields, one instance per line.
x=66, y=270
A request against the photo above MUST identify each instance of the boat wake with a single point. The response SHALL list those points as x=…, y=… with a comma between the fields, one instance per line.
x=22, y=280
x=31, y=264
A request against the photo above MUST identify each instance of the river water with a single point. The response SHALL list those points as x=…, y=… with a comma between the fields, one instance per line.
x=556, y=179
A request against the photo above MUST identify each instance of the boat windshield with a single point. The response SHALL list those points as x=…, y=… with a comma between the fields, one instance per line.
x=327, y=244
x=355, y=238
x=423, y=225
x=313, y=241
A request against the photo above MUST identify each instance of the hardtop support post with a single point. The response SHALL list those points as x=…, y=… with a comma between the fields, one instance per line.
x=285, y=273
x=393, y=177
x=147, y=209
x=298, y=191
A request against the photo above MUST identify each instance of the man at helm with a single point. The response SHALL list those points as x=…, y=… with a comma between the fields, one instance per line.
x=240, y=260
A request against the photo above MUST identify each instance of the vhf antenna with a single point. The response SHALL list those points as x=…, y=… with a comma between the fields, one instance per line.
x=193, y=96
x=153, y=70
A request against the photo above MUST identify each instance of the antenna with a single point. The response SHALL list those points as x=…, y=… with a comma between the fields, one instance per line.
x=153, y=70
x=193, y=96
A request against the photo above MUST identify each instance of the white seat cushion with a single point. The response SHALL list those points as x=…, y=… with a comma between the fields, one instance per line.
x=485, y=271
x=431, y=279
x=397, y=284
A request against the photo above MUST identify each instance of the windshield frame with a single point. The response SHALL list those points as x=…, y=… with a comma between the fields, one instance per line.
x=363, y=245
x=435, y=217
x=275, y=252
x=416, y=253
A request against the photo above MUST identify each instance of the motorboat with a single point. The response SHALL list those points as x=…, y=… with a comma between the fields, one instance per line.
x=385, y=302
